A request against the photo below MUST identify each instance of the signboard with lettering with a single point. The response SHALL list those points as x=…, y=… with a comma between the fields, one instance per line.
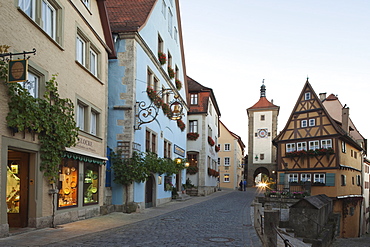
x=18, y=70
x=179, y=151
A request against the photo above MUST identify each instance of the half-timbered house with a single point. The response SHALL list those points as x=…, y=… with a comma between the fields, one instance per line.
x=320, y=151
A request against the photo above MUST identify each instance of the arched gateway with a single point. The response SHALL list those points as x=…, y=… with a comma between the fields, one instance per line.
x=262, y=129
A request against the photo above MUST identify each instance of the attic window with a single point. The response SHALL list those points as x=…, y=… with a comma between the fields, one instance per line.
x=307, y=96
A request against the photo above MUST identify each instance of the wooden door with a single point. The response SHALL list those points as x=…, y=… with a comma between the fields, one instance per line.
x=17, y=188
x=149, y=192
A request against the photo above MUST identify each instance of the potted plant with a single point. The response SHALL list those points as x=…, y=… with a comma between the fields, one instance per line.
x=211, y=141
x=192, y=170
x=181, y=124
x=162, y=57
x=171, y=72
x=178, y=84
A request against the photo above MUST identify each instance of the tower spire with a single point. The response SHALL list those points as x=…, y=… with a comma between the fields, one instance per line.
x=263, y=89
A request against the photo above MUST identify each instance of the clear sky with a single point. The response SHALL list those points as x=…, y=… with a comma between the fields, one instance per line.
x=232, y=45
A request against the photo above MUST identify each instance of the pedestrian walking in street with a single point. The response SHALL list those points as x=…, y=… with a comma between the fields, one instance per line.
x=241, y=185
x=245, y=185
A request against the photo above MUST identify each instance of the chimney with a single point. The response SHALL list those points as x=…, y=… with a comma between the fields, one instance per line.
x=345, y=119
x=322, y=96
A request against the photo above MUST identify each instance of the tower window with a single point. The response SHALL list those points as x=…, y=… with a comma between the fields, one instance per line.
x=262, y=117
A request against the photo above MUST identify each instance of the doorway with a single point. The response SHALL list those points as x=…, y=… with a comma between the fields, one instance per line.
x=17, y=188
x=149, y=192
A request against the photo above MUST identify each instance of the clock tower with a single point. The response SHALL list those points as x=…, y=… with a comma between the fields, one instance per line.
x=262, y=129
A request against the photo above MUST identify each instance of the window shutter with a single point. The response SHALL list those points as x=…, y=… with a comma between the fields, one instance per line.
x=330, y=179
x=281, y=178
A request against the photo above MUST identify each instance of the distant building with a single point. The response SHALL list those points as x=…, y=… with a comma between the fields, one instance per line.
x=203, y=122
x=262, y=129
x=321, y=150
x=149, y=72
x=230, y=158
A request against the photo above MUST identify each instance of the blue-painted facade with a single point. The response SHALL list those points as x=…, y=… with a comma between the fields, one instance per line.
x=128, y=75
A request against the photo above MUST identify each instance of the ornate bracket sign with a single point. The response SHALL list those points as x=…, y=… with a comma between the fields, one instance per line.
x=147, y=113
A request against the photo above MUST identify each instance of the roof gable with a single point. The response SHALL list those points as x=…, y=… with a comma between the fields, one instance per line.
x=204, y=95
x=307, y=107
x=128, y=15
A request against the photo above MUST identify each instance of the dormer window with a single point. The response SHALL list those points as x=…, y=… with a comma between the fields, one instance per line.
x=307, y=96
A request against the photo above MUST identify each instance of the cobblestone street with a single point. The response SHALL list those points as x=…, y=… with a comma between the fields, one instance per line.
x=222, y=220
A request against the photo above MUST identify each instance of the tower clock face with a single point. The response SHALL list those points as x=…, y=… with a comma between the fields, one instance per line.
x=262, y=133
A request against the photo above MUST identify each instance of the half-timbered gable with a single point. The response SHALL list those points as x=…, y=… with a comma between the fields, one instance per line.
x=309, y=139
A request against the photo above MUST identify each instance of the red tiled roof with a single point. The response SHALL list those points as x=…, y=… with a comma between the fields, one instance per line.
x=128, y=15
x=263, y=103
x=331, y=97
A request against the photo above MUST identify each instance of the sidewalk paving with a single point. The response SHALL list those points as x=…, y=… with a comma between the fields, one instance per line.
x=45, y=236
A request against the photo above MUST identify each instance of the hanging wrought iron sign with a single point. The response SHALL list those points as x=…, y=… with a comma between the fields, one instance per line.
x=18, y=69
x=147, y=113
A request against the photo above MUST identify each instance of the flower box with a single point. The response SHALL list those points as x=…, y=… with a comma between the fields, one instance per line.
x=211, y=141
x=192, y=136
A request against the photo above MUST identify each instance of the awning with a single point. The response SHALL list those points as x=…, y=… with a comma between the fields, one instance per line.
x=84, y=156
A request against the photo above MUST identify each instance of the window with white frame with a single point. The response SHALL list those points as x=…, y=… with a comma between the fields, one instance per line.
x=193, y=126
x=326, y=143
x=227, y=147
x=47, y=14
x=343, y=146
x=86, y=54
x=303, y=123
x=311, y=122
x=305, y=177
x=307, y=96
x=32, y=84
x=49, y=18
x=226, y=177
x=80, y=50
x=28, y=7
x=290, y=147
x=81, y=114
x=218, y=161
x=93, y=62
x=293, y=177
x=313, y=145
x=226, y=161
x=319, y=178
x=301, y=146
x=93, y=122
x=193, y=99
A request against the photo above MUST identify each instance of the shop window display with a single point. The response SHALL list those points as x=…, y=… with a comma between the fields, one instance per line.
x=13, y=188
x=91, y=183
x=68, y=183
